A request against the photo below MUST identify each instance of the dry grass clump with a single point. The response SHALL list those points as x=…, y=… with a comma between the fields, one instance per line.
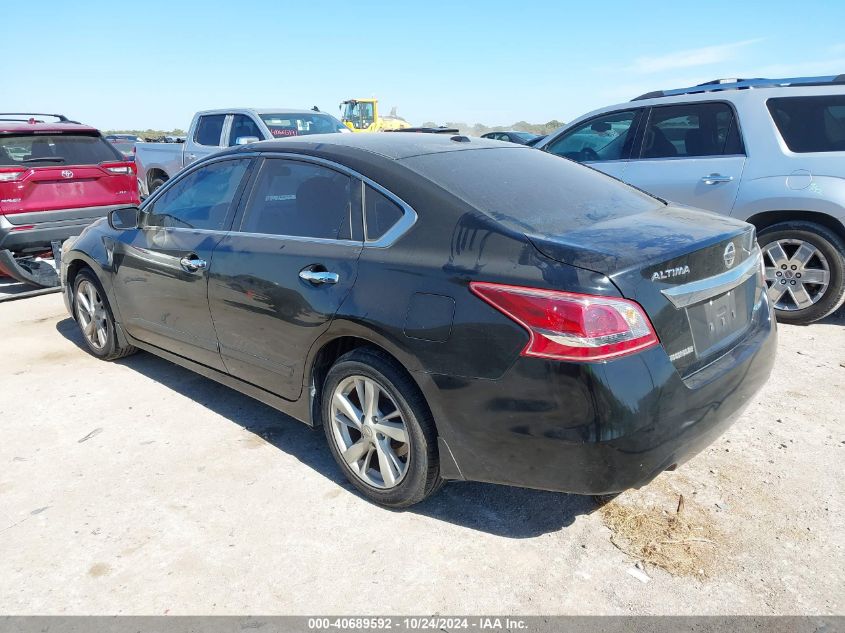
x=681, y=541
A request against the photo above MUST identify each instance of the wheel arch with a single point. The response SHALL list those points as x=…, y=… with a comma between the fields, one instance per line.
x=766, y=219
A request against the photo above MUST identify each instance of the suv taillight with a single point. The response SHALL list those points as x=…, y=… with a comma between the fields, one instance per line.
x=572, y=326
x=10, y=173
x=119, y=168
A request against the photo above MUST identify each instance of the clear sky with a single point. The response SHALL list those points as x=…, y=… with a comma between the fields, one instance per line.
x=152, y=64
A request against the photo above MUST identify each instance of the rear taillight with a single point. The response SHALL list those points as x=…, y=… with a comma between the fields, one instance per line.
x=119, y=168
x=572, y=326
x=8, y=174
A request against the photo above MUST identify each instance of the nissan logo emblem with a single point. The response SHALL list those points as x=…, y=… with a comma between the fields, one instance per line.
x=67, y=173
x=729, y=255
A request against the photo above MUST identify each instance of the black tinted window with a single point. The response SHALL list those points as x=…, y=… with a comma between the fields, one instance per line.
x=696, y=129
x=606, y=137
x=60, y=149
x=531, y=191
x=810, y=124
x=380, y=213
x=209, y=129
x=243, y=126
x=200, y=200
x=299, y=199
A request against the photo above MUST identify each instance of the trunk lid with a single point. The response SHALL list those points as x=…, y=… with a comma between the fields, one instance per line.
x=697, y=275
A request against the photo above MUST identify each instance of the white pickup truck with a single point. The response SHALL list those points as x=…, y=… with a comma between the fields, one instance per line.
x=213, y=130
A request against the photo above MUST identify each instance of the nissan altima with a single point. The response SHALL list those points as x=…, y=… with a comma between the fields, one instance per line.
x=445, y=308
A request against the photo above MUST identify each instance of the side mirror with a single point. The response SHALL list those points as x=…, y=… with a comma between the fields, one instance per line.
x=246, y=140
x=124, y=218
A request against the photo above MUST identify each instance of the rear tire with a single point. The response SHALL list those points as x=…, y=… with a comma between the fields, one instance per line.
x=156, y=182
x=94, y=316
x=829, y=254
x=396, y=469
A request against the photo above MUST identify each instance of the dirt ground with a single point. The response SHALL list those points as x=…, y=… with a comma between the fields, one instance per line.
x=137, y=487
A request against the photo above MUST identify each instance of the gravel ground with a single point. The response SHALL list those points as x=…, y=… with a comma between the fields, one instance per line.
x=137, y=487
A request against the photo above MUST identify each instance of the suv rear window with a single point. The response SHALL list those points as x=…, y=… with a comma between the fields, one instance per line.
x=56, y=149
x=810, y=124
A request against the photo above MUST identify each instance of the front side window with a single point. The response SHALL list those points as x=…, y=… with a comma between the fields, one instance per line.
x=691, y=130
x=200, y=200
x=243, y=127
x=604, y=138
x=810, y=124
x=380, y=213
x=299, y=199
x=209, y=130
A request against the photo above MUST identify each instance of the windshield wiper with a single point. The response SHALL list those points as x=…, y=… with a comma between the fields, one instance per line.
x=50, y=159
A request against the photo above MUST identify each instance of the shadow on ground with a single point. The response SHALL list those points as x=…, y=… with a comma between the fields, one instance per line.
x=500, y=510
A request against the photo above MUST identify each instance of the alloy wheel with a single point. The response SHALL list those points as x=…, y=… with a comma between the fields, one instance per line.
x=370, y=432
x=797, y=274
x=91, y=314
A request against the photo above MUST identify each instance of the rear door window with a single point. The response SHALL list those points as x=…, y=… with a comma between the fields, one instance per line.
x=59, y=149
x=606, y=137
x=200, y=200
x=810, y=124
x=209, y=130
x=299, y=199
x=243, y=126
x=691, y=130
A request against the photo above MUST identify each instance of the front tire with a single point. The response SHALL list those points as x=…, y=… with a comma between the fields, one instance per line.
x=380, y=430
x=805, y=270
x=94, y=317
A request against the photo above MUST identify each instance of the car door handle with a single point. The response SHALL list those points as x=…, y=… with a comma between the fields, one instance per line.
x=193, y=264
x=318, y=276
x=713, y=179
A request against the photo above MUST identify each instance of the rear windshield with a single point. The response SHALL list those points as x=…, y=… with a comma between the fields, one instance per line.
x=58, y=149
x=810, y=124
x=282, y=125
x=530, y=190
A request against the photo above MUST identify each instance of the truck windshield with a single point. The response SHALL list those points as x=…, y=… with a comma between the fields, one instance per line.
x=284, y=124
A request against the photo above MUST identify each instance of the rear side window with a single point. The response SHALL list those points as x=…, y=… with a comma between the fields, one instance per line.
x=293, y=198
x=200, y=200
x=691, y=130
x=59, y=149
x=209, y=129
x=243, y=126
x=380, y=213
x=810, y=124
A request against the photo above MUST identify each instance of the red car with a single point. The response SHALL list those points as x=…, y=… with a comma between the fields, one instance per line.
x=55, y=179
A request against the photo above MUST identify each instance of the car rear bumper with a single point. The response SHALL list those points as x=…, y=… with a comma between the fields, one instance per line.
x=21, y=232
x=596, y=428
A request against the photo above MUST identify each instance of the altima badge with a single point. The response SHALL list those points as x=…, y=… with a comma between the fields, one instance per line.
x=729, y=255
x=660, y=275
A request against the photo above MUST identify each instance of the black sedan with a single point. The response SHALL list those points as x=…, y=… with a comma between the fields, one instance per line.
x=444, y=307
x=513, y=136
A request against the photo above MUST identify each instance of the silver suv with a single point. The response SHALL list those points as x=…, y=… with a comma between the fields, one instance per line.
x=768, y=151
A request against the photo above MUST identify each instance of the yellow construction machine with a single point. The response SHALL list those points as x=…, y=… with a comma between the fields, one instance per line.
x=361, y=115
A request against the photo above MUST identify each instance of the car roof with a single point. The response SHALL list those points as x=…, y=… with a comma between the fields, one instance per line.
x=393, y=145
x=24, y=127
